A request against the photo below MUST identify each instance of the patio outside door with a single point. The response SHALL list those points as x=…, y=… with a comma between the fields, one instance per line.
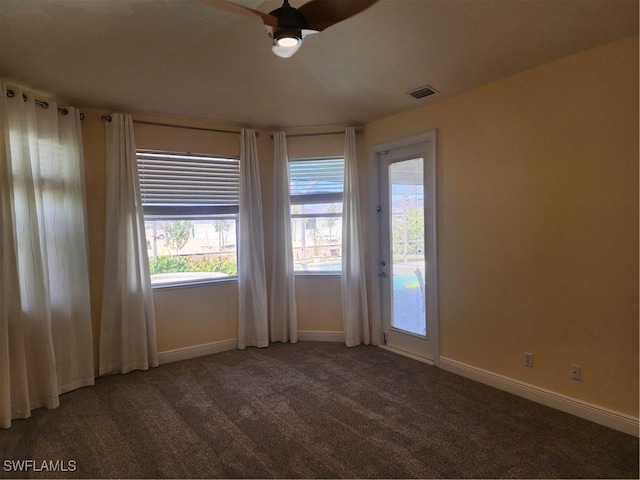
x=407, y=264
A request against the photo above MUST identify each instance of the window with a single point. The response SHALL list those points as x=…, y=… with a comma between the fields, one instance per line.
x=316, y=213
x=190, y=207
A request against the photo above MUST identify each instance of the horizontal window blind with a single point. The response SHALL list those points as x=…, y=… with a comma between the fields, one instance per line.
x=316, y=181
x=188, y=185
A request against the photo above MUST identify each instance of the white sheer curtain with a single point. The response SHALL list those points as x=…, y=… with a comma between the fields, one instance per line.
x=252, y=281
x=283, y=320
x=46, y=345
x=355, y=315
x=127, y=330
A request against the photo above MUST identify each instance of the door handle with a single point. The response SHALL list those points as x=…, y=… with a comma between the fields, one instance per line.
x=382, y=274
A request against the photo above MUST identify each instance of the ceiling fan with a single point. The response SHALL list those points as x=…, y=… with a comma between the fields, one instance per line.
x=287, y=26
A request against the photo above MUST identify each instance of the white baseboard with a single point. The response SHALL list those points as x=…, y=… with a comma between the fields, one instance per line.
x=601, y=415
x=231, y=344
x=320, y=336
x=407, y=354
x=197, y=351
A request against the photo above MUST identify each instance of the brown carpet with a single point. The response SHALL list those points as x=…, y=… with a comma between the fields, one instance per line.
x=311, y=410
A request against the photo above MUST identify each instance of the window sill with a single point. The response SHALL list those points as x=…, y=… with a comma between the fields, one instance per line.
x=317, y=274
x=194, y=283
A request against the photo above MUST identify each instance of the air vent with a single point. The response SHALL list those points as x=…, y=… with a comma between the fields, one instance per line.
x=423, y=92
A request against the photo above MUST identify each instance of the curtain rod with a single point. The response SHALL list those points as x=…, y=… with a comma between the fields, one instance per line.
x=107, y=118
x=359, y=131
x=42, y=103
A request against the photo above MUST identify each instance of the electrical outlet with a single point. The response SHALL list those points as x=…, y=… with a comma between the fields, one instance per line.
x=528, y=359
x=576, y=372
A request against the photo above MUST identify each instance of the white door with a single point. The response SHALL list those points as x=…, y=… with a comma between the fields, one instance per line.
x=408, y=276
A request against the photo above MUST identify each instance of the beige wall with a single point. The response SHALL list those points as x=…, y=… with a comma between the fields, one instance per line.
x=537, y=217
x=537, y=225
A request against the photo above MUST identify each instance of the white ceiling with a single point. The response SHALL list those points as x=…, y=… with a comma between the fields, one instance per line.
x=185, y=58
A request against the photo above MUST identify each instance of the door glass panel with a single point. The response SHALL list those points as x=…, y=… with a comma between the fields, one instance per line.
x=406, y=186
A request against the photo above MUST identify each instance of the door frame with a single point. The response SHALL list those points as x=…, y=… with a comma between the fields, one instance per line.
x=431, y=294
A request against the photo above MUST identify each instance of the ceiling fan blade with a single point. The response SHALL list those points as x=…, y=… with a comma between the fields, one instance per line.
x=242, y=10
x=321, y=14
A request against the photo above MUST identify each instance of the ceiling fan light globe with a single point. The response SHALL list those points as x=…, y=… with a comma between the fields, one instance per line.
x=287, y=42
x=285, y=52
